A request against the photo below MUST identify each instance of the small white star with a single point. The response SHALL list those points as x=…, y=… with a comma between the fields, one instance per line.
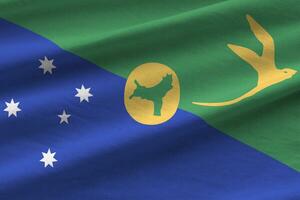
x=83, y=93
x=48, y=158
x=12, y=108
x=47, y=65
x=64, y=117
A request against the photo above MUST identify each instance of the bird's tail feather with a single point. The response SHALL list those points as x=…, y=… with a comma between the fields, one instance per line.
x=227, y=103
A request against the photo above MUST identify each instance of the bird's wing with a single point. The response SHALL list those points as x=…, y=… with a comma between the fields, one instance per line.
x=267, y=41
x=247, y=55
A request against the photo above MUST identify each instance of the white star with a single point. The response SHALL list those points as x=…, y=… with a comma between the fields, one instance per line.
x=47, y=65
x=48, y=158
x=83, y=93
x=64, y=117
x=12, y=108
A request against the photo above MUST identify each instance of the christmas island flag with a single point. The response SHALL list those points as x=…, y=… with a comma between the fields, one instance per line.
x=150, y=100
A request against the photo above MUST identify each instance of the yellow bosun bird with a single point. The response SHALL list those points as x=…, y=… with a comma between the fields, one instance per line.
x=268, y=73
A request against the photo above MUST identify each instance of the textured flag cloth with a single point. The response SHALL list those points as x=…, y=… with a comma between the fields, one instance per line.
x=65, y=132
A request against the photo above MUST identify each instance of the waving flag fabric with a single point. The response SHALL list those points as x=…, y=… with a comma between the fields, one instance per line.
x=149, y=100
